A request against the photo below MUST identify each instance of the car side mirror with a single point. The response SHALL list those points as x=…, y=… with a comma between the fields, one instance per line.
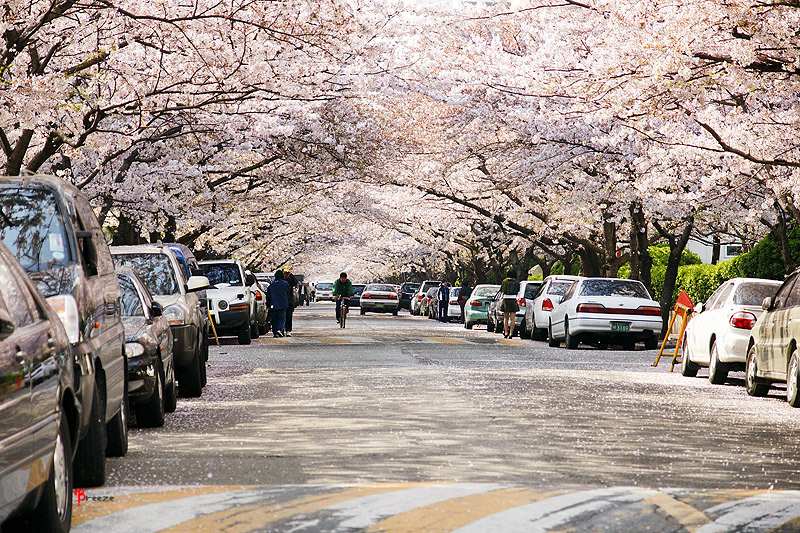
x=699, y=308
x=767, y=303
x=6, y=325
x=197, y=283
x=250, y=279
x=156, y=310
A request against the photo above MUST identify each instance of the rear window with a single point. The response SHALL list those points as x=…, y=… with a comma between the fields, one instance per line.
x=454, y=292
x=324, y=286
x=428, y=284
x=531, y=289
x=155, y=270
x=223, y=274
x=32, y=228
x=613, y=287
x=381, y=288
x=753, y=293
x=485, y=292
x=358, y=289
x=409, y=287
x=559, y=288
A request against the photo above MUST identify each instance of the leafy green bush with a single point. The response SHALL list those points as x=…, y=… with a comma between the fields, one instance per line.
x=764, y=260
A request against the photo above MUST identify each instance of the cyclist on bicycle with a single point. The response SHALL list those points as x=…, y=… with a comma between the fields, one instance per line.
x=342, y=291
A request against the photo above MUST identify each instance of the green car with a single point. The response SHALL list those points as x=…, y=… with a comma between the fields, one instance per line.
x=478, y=304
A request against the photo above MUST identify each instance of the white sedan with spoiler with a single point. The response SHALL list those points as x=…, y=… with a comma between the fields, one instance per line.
x=604, y=311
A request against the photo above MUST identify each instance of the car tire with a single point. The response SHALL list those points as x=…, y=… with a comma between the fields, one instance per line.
x=117, y=427
x=171, y=396
x=629, y=346
x=151, y=414
x=262, y=330
x=552, y=341
x=53, y=513
x=89, y=468
x=191, y=379
x=395, y=312
x=254, y=330
x=752, y=383
x=570, y=341
x=688, y=367
x=651, y=343
x=468, y=325
x=244, y=334
x=793, y=380
x=361, y=311
x=523, y=330
x=717, y=370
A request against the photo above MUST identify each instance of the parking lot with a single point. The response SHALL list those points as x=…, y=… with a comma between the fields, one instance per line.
x=393, y=401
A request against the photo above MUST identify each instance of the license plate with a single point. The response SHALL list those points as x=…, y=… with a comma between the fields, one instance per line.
x=620, y=326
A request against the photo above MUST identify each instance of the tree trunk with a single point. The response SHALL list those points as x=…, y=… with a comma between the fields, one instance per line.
x=715, y=249
x=677, y=243
x=641, y=261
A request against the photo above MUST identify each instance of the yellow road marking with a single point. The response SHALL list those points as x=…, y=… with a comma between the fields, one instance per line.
x=686, y=515
x=458, y=512
x=509, y=342
x=256, y=516
x=275, y=341
x=91, y=510
x=447, y=340
x=333, y=340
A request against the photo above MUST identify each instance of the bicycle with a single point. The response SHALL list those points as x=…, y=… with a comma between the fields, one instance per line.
x=343, y=311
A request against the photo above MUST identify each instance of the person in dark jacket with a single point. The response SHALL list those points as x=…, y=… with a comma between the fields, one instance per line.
x=443, y=295
x=463, y=297
x=293, y=283
x=278, y=302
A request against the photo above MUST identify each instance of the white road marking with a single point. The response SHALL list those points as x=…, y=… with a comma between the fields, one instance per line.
x=757, y=513
x=368, y=510
x=551, y=512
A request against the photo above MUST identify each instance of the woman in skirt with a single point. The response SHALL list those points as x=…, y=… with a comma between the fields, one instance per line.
x=509, y=306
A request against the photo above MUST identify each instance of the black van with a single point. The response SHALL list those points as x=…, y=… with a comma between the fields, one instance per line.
x=52, y=230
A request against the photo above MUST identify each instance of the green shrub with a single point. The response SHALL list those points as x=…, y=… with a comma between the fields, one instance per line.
x=764, y=260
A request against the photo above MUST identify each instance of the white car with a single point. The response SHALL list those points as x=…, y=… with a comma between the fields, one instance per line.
x=380, y=297
x=606, y=311
x=719, y=331
x=230, y=302
x=537, y=312
x=324, y=291
x=527, y=290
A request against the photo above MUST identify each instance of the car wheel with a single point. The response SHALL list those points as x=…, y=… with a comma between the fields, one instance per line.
x=792, y=395
x=254, y=330
x=570, y=341
x=262, y=330
x=395, y=312
x=362, y=311
x=523, y=330
x=752, y=383
x=171, y=396
x=54, y=510
x=191, y=379
x=244, y=334
x=552, y=342
x=651, y=343
x=688, y=368
x=717, y=370
x=117, y=427
x=89, y=469
x=151, y=414
x=468, y=325
x=629, y=346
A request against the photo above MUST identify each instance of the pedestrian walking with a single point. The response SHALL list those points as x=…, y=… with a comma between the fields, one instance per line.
x=293, y=283
x=509, y=306
x=463, y=296
x=303, y=292
x=277, y=302
x=443, y=295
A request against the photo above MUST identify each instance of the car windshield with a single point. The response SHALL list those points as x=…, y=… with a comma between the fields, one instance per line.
x=324, y=286
x=154, y=269
x=485, y=292
x=380, y=288
x=222, y=273
x=32, y=228
x=753, y=293
x=409, y=287
x=131, y=304
x=559, y=288
x=531, y=289
x=614, y=287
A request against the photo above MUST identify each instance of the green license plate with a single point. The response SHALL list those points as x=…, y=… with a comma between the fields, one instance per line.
x=620, y=326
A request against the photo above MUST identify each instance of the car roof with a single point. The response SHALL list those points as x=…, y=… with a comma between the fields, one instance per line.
x=220, y=262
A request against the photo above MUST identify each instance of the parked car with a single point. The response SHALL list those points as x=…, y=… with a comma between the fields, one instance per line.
x=358, y=290
x=417, y=297
x=262, y=313
x=324, y=291
x=258, y=306
x=158, y=267
x=494, y=316
x=475, y=310
x=379, y=298
x=190, y=267
x=772, y=354
x=39, y=409
x=606, y=311
x=537, y=312
x=230, y=301
x=718, y=333
x=453, y=307
x=427, y=298
x=407, y=291
x=264, y=279
x=49, y=226
x=152, y=387
x=525, y=295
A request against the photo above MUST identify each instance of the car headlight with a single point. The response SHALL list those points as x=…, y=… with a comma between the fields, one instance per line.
x=133, y=350
x=175, y=315
x=222, y=305
x=66, y=308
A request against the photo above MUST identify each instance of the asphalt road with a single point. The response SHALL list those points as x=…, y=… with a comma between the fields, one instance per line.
x=401, y=423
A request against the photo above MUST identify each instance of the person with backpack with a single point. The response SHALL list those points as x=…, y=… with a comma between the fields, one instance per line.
x=509, y=305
